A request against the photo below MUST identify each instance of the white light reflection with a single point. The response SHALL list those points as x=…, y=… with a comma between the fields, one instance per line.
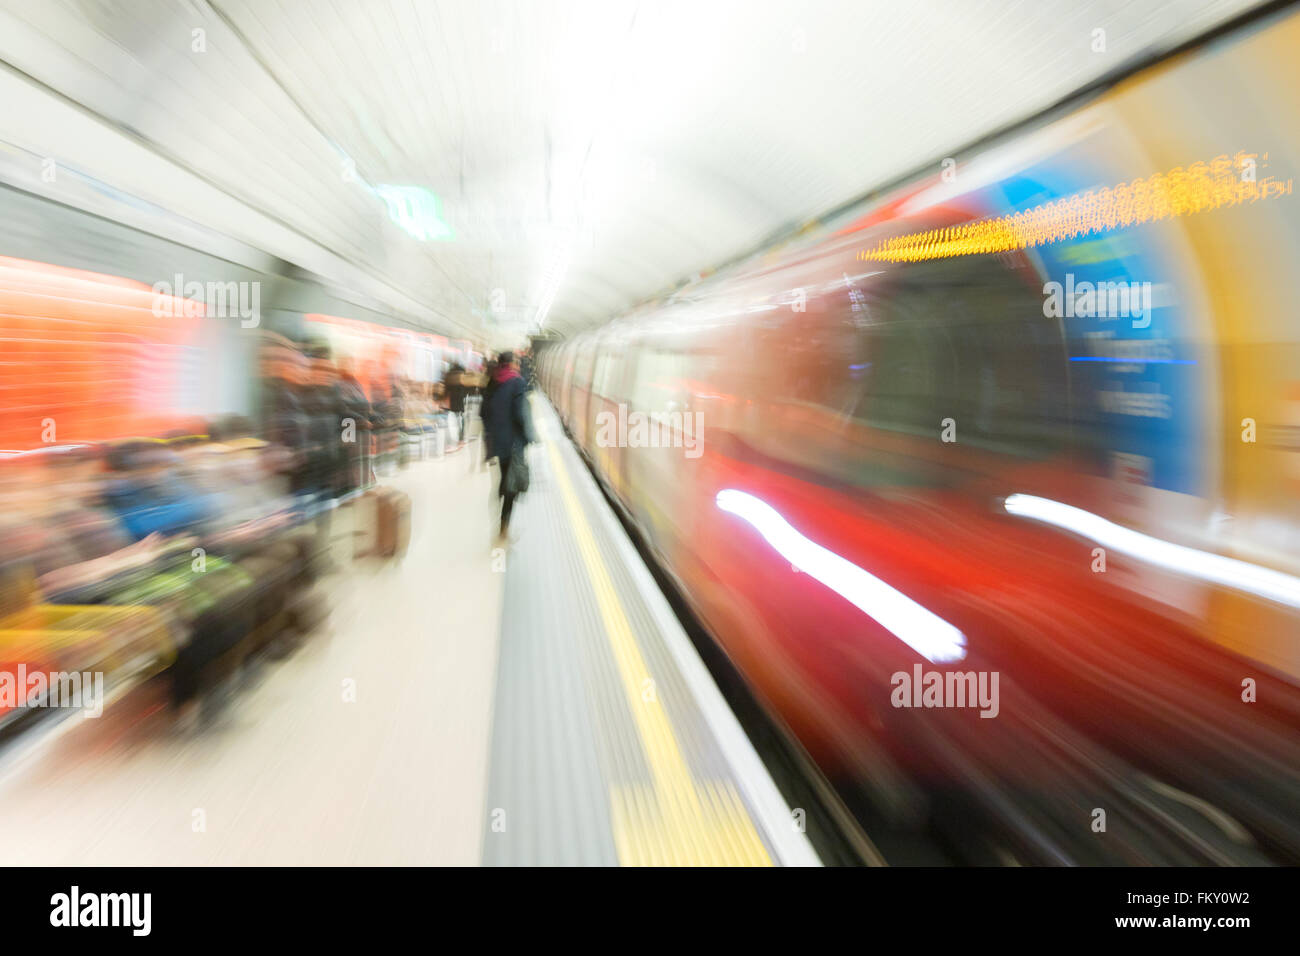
x=925, y=632
x=1203, y=565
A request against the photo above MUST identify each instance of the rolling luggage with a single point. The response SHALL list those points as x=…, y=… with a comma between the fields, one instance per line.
x=364, y=512
x=394, y=532
x=391, y=510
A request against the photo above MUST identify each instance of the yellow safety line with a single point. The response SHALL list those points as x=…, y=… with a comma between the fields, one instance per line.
x=674, y=821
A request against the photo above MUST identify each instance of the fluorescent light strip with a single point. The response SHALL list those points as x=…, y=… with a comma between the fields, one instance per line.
x=551, y=282
x=1202, y=565
x=924, y=631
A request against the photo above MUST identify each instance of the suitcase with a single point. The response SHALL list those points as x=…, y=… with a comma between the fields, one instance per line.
x=394, y=531
x=364, y=518
x=392, y=522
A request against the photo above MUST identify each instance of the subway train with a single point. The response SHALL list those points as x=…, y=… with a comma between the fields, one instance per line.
x=987, y=487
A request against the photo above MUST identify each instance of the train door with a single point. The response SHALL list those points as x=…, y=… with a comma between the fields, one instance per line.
x=656, y=447
x=609, y=402
x=580, y=393
x=564, y=389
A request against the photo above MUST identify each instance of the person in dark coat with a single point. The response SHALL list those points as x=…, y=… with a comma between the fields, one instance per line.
x=456, y=394
x=323, y=406
x=355, y=408
x=527, y=370
x=490, y=374
x=286, y=426
x=507, y=425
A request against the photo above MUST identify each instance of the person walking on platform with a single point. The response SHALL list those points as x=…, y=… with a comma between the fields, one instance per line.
x=507, y=431
x=355, y=408
x=456, y=394
x=527, y=370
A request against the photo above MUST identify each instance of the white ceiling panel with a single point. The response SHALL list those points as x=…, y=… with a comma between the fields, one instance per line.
x=583, y=155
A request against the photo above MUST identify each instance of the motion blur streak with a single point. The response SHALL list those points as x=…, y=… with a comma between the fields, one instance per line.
x=908, y=423
x=1202, y=187
x=881, y=327
x=1202, y=565
x=925, y=632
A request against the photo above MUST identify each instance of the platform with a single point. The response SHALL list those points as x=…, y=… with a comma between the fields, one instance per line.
x=611, y=744
x=292, y=771
x=590, y=733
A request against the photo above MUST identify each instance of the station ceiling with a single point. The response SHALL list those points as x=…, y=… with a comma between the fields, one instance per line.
x=485, y=166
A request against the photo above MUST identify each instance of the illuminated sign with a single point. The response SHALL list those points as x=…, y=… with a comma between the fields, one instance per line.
x=415, y=209
x=1179, y=192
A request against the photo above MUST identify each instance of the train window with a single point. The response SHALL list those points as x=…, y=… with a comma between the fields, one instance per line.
x=902, y=381
x=658, y=380
x=817, y=358
x=600, y=372
x=582, y=365
x=966, y=339
x=609, y=379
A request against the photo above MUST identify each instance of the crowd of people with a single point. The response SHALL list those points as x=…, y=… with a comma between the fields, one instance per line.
x=193, y=527
x=219, y=531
